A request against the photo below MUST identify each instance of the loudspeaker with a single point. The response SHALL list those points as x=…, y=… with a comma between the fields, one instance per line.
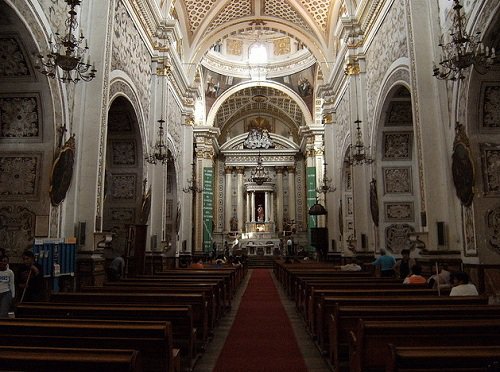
x=441, y=233
x=319, y=237
x=423, y=219
x=82, y=228
x=153, y=242
x=364, y=241
x=334, y=245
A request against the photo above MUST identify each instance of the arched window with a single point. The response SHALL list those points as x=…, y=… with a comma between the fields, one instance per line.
x=257, y=54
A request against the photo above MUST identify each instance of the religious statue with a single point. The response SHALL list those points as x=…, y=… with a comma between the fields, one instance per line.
x=260, y=213
x=234, y=223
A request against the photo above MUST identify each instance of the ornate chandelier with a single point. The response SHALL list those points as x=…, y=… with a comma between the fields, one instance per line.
x=67, y=53
x=326, y=183
x=463, y=50
x=193, y=186
x=259, y=175
x=160, y=151
x=358, y=153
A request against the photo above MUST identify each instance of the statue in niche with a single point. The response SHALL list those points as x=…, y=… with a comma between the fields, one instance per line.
x=233, y=223
x=260, y=213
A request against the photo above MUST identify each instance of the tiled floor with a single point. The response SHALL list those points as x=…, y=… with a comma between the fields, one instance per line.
x=309, y=351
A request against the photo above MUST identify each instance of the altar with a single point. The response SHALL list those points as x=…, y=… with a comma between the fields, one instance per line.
x=260, y=246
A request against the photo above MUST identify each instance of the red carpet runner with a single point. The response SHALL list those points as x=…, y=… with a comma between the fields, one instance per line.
x=261, y=338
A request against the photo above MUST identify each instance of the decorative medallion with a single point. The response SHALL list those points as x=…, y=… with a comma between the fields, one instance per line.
x=62, y=172
x=374, y=201
x=396, y=237
x=462, y=167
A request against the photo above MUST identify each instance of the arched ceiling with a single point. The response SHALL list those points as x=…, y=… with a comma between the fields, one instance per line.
x=311, y=22
x=259, y=99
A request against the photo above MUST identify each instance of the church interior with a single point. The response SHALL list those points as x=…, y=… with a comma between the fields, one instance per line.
x=286, y=138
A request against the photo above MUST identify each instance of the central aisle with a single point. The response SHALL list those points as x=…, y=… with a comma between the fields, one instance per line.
x=261, y=338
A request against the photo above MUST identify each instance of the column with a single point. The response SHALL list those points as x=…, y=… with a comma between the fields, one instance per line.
x=253, y=206
x=279, y=197
x=266, y=209
x=248, y=207
x=227, y=201
x=271, y=207
x=291, y=193
x=239, y=190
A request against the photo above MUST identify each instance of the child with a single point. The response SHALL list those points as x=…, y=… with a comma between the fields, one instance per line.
x=7, y=288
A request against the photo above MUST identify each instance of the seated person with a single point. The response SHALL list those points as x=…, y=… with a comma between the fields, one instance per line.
x=116, y=268
x=443, y=279
x=353, y=266
x=416, y=276
x=198, y=264
x=403, y=266
x=462, y=286
x=385, y=263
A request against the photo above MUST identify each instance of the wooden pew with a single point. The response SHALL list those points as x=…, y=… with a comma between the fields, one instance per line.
x=443, y=359
x=227, y=275
x=49, y=359
x=363, y=289
x=215, y=289
x=345, y=318
x=304, y=285
x=152, y=339
x=208, y=292
x=319, y=310
x=368, y=344
x=326, y=306
x=197, y=302
x=180, y=317
x=174, y=279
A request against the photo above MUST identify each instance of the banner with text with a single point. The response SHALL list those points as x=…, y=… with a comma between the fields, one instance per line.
x=311, y=198
x=208, y=192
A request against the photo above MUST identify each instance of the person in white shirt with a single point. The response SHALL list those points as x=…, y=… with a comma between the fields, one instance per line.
x=7, y=287
x=461, y=285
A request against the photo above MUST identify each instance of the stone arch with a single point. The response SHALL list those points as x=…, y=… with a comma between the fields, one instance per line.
x=124, y=170
x=33, y=114
x=296, y=98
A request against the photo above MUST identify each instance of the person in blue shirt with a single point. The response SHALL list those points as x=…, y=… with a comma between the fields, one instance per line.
x=386, y=264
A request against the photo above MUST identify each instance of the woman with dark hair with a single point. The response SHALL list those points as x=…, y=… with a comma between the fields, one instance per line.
x=403, y=266
x=30, y=278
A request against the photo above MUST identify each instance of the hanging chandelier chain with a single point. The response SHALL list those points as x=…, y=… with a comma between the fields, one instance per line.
x=160, y=154
x=358, y=152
